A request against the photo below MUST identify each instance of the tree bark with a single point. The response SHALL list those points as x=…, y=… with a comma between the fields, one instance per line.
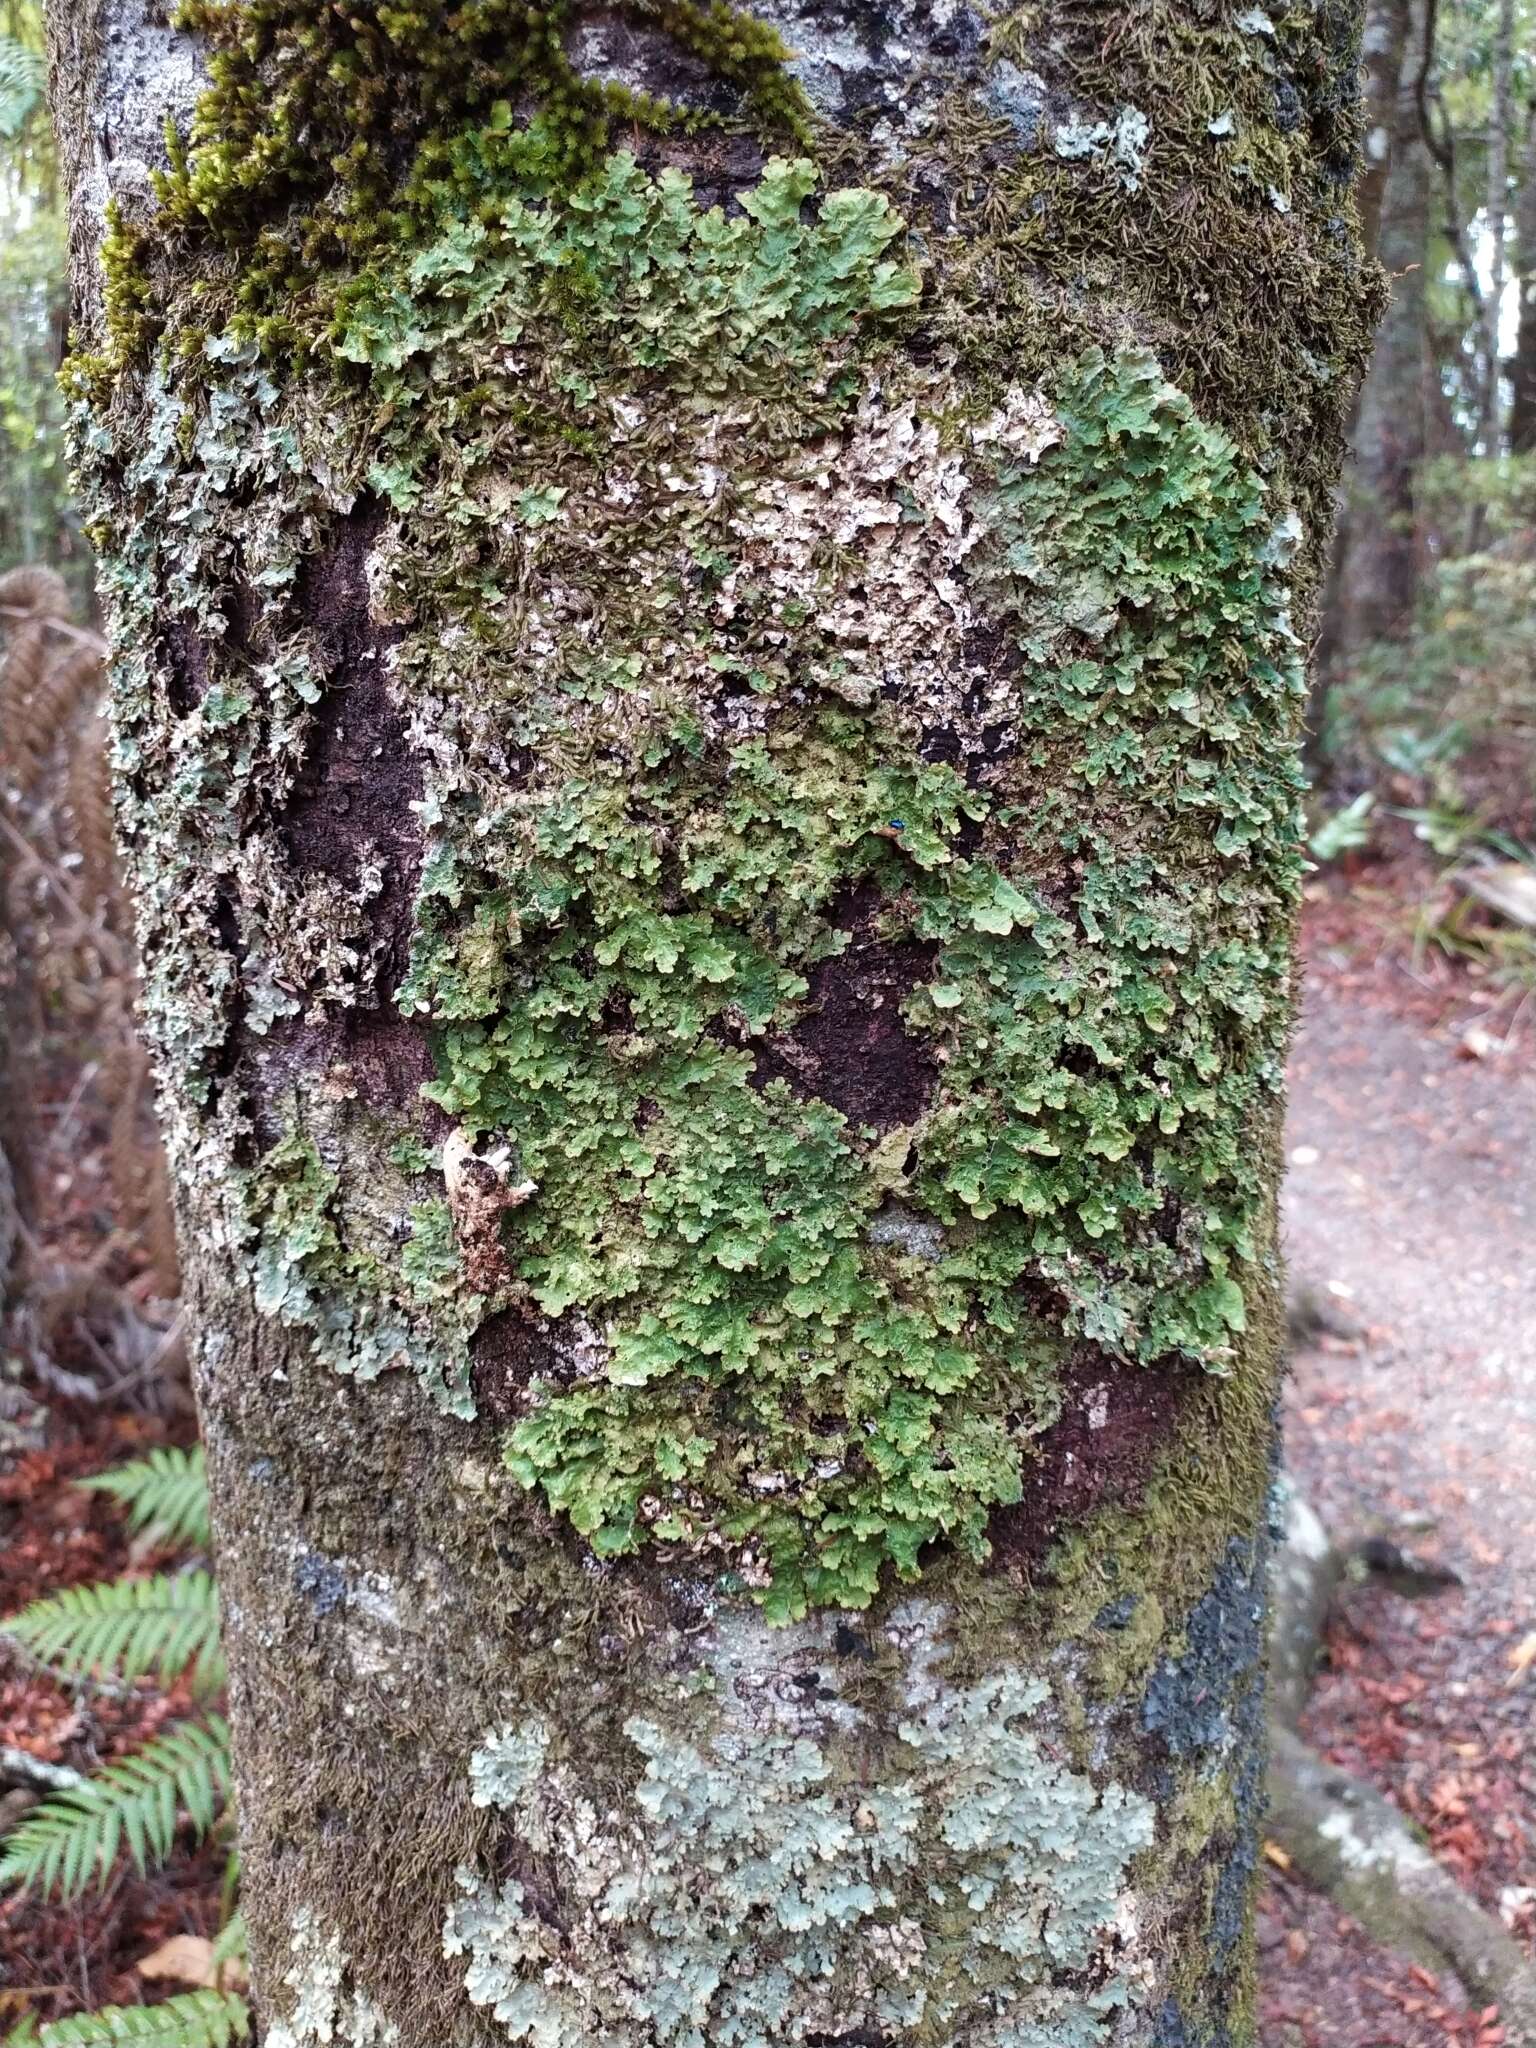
x=710, y=775
x=1491, y=422
x=1522, y=373
x=1384, y=46
x=1391, y=52
x=1377, y=577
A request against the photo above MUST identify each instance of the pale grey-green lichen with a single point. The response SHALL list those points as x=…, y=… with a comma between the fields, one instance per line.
x=326, y=2007
x=752, y=1888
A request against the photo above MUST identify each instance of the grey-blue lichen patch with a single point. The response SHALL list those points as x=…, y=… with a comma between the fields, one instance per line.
x=324, y=2005
x=1195, y=1702
x=1121, y=142
x=753, y=1888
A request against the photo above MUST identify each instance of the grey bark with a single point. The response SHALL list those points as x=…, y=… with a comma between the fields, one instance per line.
x=1392, y=47
x=1491, y=423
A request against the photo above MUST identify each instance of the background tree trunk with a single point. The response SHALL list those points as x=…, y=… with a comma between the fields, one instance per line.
x=1491, y=422
x=1386, y=42
x=1378, y=561
x=1391, y=52
x=1522, y=376
x=713, y=804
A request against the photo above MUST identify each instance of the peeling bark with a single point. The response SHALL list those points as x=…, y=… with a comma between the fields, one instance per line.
x=706, y=717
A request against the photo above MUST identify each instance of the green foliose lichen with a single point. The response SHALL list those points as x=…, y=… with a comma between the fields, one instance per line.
x=1089, y=988
x=859, y=813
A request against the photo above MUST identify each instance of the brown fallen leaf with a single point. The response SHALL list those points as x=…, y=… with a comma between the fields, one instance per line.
x=185, y=1959
x=1275, y=1854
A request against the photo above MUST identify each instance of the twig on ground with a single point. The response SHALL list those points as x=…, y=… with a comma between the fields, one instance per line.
x=20, y=1767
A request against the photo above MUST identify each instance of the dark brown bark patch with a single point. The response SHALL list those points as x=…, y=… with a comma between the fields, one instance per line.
x=507, y=1354
x=375, y=1055
x=1114, y=1422
x=360, y=777
x=352, y=801
x=850, y=1046
x=184, y=665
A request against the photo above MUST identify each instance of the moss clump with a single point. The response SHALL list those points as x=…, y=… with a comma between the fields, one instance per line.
x=331, y=138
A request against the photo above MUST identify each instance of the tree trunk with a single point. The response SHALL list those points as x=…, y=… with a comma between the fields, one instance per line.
x=1491, y=424
x=1383, y=47
x=1391, y=51
x=1522, y=374
x=1377, y=578
x=710, y=775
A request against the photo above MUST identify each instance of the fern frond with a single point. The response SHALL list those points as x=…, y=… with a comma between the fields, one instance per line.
x=166, y=1493
x=74, y=1837
x=197, y=2019
x=32, y=588
x=129, y=1628
x=231, y=1944
x=22, y=74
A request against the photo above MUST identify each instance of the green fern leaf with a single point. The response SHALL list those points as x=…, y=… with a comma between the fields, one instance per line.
x=21, y=83
x=166, y=1494
x=197, y=2019
x=231, y=1944
x=130, y=1628
x=74, y=1837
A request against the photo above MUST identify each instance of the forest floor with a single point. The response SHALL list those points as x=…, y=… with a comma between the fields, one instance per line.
x=1410, y=1413
x=1410, y=1215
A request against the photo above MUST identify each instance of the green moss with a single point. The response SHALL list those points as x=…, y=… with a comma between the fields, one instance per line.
x=293, y=164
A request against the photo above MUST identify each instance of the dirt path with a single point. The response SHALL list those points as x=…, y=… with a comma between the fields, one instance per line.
x=1410, y=1219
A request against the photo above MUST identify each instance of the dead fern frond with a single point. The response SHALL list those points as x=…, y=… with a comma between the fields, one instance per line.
x=71, y=955
x=88, y=792
x=21, y=674
x=43, y=720
x=34, y=588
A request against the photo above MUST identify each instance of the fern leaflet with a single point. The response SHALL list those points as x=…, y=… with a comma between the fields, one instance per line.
x=197, y=2019
x=21, y=83
x=129, y=1628
x=74, y=1836
x=166, y=1494
x=231, y=1944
